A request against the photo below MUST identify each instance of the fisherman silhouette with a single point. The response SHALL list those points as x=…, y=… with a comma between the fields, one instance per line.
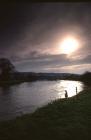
x=66, y=94
x=76, y=90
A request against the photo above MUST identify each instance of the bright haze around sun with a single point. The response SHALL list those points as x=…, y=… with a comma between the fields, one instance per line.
x=46, y=37
x=69, y=45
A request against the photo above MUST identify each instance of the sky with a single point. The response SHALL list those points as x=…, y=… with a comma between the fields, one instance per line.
x=31, y=35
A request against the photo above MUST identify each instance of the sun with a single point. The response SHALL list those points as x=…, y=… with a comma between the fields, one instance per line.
x=69, y=45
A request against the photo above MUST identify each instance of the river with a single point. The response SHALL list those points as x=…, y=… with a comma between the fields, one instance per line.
x=25, y=98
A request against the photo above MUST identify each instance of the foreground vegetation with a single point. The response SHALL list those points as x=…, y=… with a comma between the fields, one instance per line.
x=59, y=120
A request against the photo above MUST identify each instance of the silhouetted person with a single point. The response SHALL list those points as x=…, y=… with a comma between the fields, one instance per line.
x=66, y=94
x=76, y=90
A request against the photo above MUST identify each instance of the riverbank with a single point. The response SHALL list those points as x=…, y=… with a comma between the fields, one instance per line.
x=59, y=120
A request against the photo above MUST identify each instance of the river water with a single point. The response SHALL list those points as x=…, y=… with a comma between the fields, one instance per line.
x=24, y=98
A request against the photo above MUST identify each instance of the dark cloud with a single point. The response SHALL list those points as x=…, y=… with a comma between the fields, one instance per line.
x=86, y=60
x=30, y=32
x=52, y=63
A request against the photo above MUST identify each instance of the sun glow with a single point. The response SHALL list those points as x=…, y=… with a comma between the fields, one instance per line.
x=69, y=45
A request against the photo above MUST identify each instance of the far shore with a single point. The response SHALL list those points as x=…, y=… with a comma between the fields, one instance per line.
x=20, y=77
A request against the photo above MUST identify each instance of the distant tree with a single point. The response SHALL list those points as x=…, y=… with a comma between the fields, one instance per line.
x=86, y=77
x=6, y=68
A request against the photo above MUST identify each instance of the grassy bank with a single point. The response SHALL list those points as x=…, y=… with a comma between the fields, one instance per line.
x=60, y=120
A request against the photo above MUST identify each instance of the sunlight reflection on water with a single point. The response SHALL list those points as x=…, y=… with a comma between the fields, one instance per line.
x=70, y=86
